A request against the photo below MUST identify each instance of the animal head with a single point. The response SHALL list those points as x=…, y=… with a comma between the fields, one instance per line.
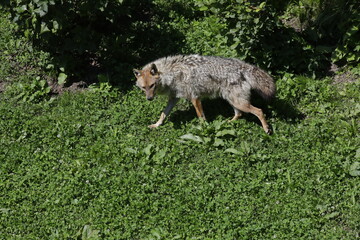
x=147, y=79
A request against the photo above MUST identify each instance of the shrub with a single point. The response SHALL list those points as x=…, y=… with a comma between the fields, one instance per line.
x=85, y=37
x=89, y=35
x=331, y=26
x=252, y=31
x=21, y=69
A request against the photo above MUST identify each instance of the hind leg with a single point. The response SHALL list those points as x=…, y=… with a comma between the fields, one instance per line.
x=237, y=115
x=198, y=108
x=245, y=106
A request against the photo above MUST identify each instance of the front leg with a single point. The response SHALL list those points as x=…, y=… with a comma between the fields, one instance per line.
x=171, y=103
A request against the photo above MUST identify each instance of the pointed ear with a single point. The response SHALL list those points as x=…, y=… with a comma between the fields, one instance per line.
x=154, y=71
x=136, y=72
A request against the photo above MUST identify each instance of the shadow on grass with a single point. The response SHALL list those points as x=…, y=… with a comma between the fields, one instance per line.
x=287, y=112
x=213, y=108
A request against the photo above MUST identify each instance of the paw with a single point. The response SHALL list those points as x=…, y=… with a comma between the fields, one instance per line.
x=153, y=125
x=234, y=118
x=269, y=131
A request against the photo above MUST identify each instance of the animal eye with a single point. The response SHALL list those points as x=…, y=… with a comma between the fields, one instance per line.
x=152, y=85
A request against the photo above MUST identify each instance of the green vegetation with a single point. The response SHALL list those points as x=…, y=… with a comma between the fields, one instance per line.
x=87, y=164
x=21, y=66
x=115, y=35
x=84, y=165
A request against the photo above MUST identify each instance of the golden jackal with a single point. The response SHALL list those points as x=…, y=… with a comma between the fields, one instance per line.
x=194, y=77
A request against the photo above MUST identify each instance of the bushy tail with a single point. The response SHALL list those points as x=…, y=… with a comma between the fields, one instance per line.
x=263, y=84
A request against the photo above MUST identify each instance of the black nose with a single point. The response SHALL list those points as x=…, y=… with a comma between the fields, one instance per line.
x=150, y=98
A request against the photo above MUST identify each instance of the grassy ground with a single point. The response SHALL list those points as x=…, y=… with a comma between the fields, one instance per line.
x=85, y=166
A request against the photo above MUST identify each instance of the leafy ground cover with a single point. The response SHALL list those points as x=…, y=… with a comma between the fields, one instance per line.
x=86, y=166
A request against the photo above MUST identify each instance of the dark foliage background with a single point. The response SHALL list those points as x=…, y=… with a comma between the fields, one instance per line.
x=88, y=37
